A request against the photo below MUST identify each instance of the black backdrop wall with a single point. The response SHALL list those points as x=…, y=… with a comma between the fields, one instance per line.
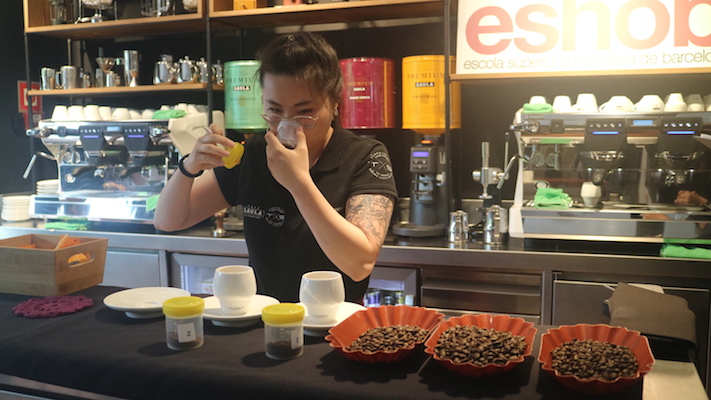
x=488, y=106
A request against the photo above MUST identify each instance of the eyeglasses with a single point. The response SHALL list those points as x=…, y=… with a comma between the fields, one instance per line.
x=306, y=121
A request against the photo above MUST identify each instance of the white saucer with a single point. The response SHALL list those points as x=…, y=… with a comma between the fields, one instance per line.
x=146, y=302
x=253, y=315
x=320, y=330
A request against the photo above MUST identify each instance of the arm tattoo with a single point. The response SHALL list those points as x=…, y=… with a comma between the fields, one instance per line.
x=371, y=213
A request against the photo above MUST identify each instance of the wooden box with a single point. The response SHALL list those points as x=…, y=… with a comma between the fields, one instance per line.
x=46, y=271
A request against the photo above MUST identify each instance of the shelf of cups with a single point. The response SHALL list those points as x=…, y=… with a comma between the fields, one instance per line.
x=224, y=17
x=125, y=90
x=181, y=23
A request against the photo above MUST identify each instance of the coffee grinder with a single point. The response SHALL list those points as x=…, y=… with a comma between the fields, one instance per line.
x=423, y=110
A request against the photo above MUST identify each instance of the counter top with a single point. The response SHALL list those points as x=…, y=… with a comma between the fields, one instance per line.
x=636, y=259
x=101, y=350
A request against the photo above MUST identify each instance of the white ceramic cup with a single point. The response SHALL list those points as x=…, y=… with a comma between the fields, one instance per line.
x=590, y=193
x=234, y=286
x=586, y=103
x=675, y=102
x=60, y=113
x=91, y=112
x=537, y=100
x=562, y=104
x=120, y=113
x=649, y=103
x=105, y=113
x=617, y=104
x=694, y=102
x=322, y=293
x=76, y=113
x=134, y=114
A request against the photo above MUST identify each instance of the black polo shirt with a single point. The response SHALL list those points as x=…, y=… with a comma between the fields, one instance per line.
x=281, y=245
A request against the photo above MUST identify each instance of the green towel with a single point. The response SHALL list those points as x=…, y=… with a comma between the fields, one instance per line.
x=167, y=114
x=68, y=226
x=537, y=108
x=152, y=203
x=676, y=251
x=550, y=198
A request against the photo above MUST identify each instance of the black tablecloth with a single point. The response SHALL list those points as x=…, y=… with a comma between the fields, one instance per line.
x=102, y=350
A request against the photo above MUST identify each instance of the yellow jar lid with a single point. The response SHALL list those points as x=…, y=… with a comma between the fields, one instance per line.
x=183, y=306
x=283, y=313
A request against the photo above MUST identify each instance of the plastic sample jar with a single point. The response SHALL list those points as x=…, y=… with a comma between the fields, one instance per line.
x=183, y=322
x=283, y=330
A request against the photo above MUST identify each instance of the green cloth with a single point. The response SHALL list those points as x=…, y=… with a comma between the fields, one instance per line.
x=551, y=198
x=168, y=114
x=676, y=251
x=537, y=108
x=68, y=226
x=152, y=202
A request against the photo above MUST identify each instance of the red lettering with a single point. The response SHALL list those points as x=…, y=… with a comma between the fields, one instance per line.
x=550, y=32
x=474, y=29
x=570, y=21
x=660, y=30
x=682, y=32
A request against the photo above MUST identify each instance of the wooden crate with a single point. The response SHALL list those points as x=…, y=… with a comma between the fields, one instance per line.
x=44, y=271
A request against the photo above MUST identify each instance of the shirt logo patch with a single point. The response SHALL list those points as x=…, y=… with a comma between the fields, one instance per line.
x=253, y=212
x=380, y=165
x=275, y=217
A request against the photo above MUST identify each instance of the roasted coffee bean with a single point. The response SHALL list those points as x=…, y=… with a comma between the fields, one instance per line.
x=593, y=359
x=388, y=338
x=479, y=346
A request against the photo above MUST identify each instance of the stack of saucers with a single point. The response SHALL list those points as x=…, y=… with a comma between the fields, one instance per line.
x=48, y=187
x=15, y=208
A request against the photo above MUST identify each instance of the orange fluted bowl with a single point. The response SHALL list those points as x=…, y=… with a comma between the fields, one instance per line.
x=341, y=336
x=504, y=323
x=638, y=345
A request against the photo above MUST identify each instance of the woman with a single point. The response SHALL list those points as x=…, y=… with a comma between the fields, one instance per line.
x=325, y=204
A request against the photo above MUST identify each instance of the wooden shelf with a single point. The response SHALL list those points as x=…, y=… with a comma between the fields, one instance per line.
x=322, y=13
x=304, y=14
x=125, y=90
x=123, y=28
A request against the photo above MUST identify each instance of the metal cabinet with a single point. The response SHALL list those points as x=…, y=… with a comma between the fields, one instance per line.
x=461, y=290
x=133, y=268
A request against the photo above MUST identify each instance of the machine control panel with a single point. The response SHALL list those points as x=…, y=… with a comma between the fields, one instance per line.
x=423, y=160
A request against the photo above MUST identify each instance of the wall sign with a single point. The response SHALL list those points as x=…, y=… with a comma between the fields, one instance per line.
x=582, y=37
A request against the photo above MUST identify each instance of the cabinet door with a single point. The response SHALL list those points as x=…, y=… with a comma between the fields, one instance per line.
x=132, y=268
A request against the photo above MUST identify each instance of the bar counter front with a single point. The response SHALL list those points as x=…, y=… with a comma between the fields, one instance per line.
x=101, y=350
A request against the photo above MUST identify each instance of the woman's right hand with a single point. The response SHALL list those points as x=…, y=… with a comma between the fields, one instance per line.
x=206, y=154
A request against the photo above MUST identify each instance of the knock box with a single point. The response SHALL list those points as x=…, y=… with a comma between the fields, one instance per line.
x=31, y=265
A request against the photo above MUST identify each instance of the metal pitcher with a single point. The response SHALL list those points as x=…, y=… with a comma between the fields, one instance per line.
x=165, y=71
x=187, y=71
x=495, y=225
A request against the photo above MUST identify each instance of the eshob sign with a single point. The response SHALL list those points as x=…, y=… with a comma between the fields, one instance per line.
x=512, y=38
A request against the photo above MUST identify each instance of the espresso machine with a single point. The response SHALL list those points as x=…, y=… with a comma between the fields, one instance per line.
x=642, y=164
x=107, y=170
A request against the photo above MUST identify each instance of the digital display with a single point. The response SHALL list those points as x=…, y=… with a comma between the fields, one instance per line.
x=90, y=136
x=606, y=133
x=680, y=132
x=135, y=136
x=420, y=153
x=112, y=129
x=643, y=122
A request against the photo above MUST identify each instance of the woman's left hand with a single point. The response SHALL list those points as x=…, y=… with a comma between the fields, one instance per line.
x=290, y=167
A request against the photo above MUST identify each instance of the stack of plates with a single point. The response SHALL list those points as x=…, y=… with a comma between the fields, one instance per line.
x=48, y=187
x=15, y=208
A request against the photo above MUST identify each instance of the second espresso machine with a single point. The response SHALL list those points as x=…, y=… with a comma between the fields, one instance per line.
x=637, y=177
x=107, y=170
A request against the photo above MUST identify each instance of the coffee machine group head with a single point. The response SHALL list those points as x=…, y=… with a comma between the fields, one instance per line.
x=604, y=148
